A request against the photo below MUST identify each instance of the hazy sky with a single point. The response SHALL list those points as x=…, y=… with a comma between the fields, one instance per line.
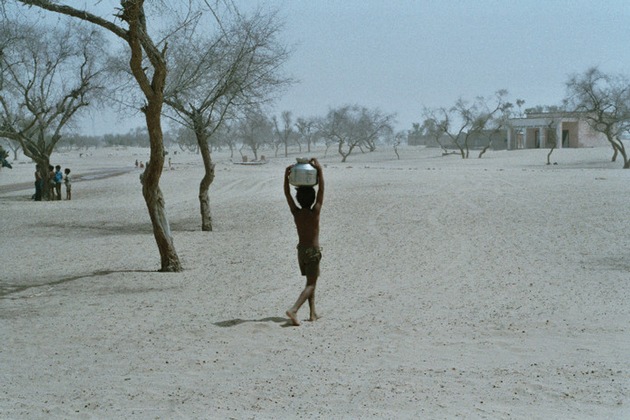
x=400, y=56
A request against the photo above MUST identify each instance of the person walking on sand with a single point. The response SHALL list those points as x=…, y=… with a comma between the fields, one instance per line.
x=306, y=218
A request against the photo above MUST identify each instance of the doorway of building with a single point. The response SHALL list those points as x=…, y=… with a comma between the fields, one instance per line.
x=565, y=138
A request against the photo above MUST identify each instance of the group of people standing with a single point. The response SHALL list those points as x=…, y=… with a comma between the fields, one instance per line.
x=52, y=188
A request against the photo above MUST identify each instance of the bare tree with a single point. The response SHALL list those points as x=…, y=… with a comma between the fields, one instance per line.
x=212, y=77
x=498, y=118
x=306, y=131
x=225, y=136
x=338, y=128
x=396, y=140
x=151, y=78
x=184, y=138
x=604, y=101
x=434, y=128
x=255, y=130
x=15, y=147
x=353, y=126
x=464, y=120
x=47, y=75
x=552, y=139
x=375, y=126
x=283, y=131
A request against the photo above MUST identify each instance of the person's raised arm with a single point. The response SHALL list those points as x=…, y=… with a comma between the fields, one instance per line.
x=287, y=190
x=319, y=200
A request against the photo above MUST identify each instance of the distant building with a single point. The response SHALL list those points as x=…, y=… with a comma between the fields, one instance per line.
x=543, y=129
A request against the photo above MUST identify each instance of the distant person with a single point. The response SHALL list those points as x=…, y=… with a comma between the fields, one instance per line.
x=39, y=184
x=51, y=182
x=58, y=181
x=309, y=252
x=68, y=182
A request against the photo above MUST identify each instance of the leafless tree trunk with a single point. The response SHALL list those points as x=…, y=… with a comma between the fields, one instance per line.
x=206, y=181
x=199, y=127
x=549, y=154
x=552, y=139
x=485, y=149
x=140, y=43
x=345, y=153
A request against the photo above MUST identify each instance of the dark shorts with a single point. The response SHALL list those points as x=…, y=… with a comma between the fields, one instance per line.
x=309, y=258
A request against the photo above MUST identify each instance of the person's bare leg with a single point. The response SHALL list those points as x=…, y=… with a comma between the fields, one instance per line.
x=292, y=314
x=314, y=316
x=311, y=300
x=306, y=294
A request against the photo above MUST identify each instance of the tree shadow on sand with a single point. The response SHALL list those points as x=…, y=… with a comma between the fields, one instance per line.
x=9, y=289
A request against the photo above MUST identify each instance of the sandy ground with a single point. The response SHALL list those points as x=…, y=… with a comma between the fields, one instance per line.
x=483, y=288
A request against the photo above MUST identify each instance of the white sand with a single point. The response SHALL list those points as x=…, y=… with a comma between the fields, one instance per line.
x=485, y=288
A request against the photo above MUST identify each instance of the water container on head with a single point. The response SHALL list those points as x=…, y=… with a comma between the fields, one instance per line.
x=303, y=174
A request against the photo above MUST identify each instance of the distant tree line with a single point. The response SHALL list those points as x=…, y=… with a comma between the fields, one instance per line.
x=137, y=137
x=348, y=128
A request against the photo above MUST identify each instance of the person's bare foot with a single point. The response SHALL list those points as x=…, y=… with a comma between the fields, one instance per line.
x=293, y=316
x=314, y=317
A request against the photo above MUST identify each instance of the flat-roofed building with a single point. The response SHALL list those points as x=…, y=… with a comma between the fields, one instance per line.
x=542, y=130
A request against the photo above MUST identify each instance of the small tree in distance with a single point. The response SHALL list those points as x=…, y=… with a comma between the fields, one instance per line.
x=255, y=130
x=15, y=147
x=499, y=117
x=552, y=139
x=604, y=101
x=306, y=131
x=464, y=119
x=396, y=140
x=283, y=131
x=353, y=126
x=434, y=129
